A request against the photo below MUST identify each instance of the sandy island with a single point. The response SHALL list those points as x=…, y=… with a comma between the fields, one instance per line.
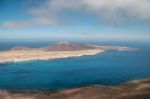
x=19, y=54
x=60, y=50
x=23, y=55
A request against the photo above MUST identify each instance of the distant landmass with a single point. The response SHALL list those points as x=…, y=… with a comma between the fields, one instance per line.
x=59, y=50
x=61, y=46
x=69, y=47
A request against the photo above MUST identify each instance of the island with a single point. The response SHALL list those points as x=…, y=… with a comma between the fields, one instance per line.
x=59, y=50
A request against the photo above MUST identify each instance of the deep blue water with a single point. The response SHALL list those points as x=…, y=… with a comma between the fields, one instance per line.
x=108, y=68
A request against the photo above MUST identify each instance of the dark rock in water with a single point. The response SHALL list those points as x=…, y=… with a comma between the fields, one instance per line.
x=138, y=89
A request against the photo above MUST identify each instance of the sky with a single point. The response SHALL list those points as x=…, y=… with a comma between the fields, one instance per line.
x=75, y=19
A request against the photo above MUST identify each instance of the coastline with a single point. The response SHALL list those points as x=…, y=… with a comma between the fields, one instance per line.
x=23, y=55
x=19, y=54
x=135, y=89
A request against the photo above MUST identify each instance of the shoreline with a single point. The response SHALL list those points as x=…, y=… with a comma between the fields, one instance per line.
x=20, y=54
x=133, y=89
x=46, y=55
x=60, y=50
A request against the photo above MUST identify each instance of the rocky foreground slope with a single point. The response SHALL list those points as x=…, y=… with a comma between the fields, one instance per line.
x=138, y=89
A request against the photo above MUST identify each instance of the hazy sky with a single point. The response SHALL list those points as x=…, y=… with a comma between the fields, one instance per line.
x=75, y=19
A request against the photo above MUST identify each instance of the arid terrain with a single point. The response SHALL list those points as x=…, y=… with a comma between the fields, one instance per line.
x=137, y=89
x=60, y=50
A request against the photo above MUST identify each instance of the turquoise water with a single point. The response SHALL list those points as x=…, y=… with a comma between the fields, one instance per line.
x=108, y=68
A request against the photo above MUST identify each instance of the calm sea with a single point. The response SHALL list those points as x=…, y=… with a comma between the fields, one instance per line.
x=108, y=68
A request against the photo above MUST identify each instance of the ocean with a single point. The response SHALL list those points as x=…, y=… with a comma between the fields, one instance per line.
x=107, y=68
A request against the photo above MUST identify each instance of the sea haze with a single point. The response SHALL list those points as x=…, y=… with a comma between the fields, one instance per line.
x=108, y=68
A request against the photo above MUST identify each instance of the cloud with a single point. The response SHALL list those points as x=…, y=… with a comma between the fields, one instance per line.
x=118, y=8
x=108, y=8
x=50, y=11
x=29, y=23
